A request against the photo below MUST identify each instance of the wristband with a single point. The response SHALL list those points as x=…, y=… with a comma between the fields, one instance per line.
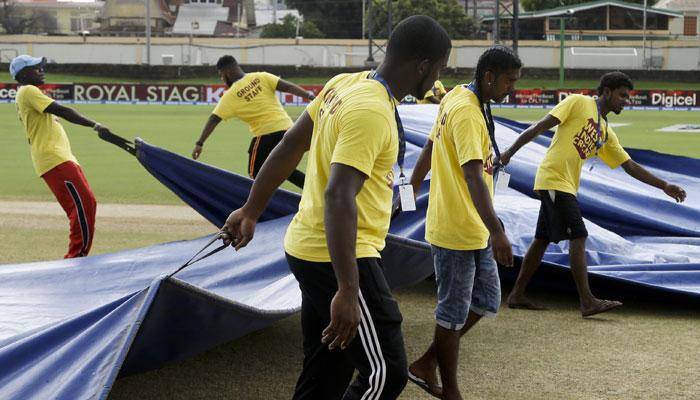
x=97, y=126
x=199, y=143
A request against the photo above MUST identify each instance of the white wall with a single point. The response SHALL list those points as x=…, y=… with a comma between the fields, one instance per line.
x=677, y=55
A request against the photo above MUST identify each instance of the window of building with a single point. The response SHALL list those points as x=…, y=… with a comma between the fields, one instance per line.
x=588, y=20
x=690, y=25
x=626, y=19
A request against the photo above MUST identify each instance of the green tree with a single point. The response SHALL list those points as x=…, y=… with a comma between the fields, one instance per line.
x=288, y=29
x=449, y=13
x=535, y=5
x=335, y=18
x=15, y=20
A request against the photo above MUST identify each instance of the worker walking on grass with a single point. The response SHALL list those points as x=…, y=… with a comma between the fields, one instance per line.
x=583, y=132
x=465, y=235
x=350, y=321
x=51, y=152
x=251, y=97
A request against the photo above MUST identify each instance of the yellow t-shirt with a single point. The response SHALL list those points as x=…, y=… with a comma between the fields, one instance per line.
x=459, y=135
x=253, y=100
x=355, y=127
x=49, y=143
x=574, y=142
x=335, y=84
x=438, y=89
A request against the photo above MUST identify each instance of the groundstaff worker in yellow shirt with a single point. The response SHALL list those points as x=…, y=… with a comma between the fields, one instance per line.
x=51, y=152
x=434, y=95
x=583, y=132
x=251, y=97
x=350, y=320
x=465, y=234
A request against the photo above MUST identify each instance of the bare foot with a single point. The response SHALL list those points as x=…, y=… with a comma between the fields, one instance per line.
x=522, y=303
x=599, y=306
x=425, y=378
x=452, y=395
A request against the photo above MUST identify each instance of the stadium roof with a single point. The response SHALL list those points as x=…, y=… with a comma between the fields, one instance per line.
x=565, y=10
x=136, y=9
x=204, y=17
x=679, y=5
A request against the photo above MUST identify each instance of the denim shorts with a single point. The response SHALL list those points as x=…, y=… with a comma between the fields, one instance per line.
x=467, y=280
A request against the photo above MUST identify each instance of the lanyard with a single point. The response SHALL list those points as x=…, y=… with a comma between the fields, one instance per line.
x=599, y=140
x=488, y=118
x=402, y=135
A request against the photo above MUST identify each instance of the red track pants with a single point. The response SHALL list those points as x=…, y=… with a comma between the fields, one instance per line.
x=72, y=191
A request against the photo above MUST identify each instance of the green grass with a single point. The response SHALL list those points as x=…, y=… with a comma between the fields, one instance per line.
x=449, y=81
x=116, y=177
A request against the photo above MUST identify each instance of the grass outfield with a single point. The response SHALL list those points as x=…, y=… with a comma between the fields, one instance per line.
x=117, y=178
x=524, y=83
x=645, y=350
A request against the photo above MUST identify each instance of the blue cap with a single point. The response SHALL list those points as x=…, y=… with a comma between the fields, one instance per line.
x=20, y=62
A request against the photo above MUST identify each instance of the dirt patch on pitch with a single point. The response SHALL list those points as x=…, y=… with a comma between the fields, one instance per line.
x=127, y=211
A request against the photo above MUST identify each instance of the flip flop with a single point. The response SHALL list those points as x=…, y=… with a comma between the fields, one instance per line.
x=421, y=383
x=525, y=306
x=607, y=305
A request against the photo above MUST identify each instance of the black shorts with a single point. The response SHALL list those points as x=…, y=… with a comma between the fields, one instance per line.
x=259, y=149
x=559, y=219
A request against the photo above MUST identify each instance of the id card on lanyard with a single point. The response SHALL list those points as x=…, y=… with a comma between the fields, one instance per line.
x=408, y=200
x=500, y=176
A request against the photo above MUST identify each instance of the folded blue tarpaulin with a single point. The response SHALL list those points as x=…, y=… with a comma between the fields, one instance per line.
x=70, y=327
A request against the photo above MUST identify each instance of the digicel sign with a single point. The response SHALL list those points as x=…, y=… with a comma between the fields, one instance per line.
x=674, y=98
x=8, y=91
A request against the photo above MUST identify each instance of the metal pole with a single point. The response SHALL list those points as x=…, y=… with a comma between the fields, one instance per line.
x=148, y=32
x=274, y=11
x=645, y=64
x=238, y=25
x=561, y=52
x=497, y=23
x=370, y=59
x=516, y=24
x=364, y=23
x=388, y=18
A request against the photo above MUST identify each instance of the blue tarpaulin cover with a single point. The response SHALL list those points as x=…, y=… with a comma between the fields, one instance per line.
x=70, y=327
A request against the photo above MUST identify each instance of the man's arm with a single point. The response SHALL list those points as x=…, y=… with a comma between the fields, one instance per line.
x=479, y=193
x=422, y=167
x=548, y=122
x=74, y=116
x=340, y=222
x=434, y=99
x=641, y=174
x=212, y=122
x=284, y=158
x=289, y=87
